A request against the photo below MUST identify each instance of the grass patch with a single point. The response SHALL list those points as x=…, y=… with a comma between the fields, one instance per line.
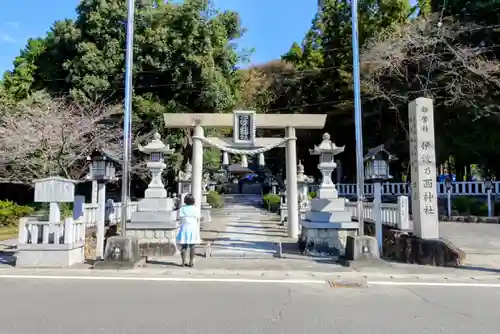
x=8, y=233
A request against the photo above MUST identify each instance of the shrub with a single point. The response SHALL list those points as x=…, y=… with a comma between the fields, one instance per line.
x=272, y=202
x=215, y=199
x=66, y=210
x=10, y=213
x=470, y=206
x=312, y=195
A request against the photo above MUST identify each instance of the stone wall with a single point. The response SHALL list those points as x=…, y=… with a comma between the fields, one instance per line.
x=407, y=248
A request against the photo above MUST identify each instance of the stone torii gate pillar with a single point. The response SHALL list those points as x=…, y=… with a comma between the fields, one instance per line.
x=244, y=142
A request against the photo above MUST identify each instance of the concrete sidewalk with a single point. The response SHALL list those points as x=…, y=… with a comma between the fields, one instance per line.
x=265, y=270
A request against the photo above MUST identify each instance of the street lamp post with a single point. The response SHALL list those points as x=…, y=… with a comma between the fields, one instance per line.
x=377, y=170
x=127, y=119
x=358, y=117
x=102, y=170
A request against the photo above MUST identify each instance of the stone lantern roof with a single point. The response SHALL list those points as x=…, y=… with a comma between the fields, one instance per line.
x=326, y=146
x=156, y=146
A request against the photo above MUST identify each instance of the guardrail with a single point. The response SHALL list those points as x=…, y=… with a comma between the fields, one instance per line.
x=463, y=188
x=113, y=212
x=395, y=215
x=37, y=232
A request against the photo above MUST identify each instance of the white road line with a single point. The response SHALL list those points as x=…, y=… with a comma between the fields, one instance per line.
x=165, y=279
x=244, y=280
x=440, y=284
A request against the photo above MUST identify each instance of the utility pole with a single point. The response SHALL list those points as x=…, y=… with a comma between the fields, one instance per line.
x=358, y=116
x=127, y=119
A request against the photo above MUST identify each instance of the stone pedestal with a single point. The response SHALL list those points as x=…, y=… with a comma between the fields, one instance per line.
x=154, y=224
x=361, y=249
x=120, y=253
x=328, y=224
x=326, y=227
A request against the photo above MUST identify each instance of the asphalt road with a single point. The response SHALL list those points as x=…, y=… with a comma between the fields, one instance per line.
x=84, y=306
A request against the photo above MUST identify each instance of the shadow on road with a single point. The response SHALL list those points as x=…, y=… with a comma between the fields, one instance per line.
x=483, y=269
x=8, y=258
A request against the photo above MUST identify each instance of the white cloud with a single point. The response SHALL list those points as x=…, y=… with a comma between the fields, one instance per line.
x=4, y=37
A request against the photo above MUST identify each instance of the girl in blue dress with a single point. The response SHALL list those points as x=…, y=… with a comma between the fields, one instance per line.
x=189, y=231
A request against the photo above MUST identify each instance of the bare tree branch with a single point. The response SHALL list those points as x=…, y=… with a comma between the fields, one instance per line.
x=422, y=58
x=44, y=136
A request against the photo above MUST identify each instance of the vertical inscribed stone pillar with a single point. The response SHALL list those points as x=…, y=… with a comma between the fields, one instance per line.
x=423, y=169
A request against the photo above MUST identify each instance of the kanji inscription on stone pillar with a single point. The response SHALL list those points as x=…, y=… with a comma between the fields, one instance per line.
x=423, y=169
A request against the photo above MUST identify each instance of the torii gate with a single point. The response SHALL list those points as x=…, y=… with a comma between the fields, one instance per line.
x=244, y=142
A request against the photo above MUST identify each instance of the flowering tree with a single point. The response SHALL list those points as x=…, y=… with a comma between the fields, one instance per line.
x=43, y=136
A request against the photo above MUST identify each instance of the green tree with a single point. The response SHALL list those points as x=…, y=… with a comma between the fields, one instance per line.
x=324, y=62
x=184, y=61
x=184, y=57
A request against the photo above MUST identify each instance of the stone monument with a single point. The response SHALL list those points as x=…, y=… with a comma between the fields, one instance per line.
x=154, y=223
x=51, y=241
x=423, y=169
x=327, y=225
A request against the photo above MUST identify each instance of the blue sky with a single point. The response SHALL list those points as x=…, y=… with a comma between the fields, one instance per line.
x=272, y=25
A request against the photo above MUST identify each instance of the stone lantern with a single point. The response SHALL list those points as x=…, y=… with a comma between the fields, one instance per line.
x=184, y=181
x=303, y=182
x=154, y=223
x=156, y=151
x=326, y=227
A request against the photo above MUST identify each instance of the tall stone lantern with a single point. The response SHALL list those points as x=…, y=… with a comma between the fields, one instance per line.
x=155, y=222
x=156, y=150
x=329, y=222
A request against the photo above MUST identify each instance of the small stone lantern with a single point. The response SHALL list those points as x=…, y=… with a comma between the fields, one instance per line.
x=184, y=181
x=156, y=150
x=303, y=182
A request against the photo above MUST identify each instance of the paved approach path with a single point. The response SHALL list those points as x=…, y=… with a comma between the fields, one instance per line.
x=245, y=229
x=47, y=306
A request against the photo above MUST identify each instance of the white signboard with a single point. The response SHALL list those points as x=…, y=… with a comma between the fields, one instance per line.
x=54, y=190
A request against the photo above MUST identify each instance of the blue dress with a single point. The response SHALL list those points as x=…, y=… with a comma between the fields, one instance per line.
x=189, y=232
